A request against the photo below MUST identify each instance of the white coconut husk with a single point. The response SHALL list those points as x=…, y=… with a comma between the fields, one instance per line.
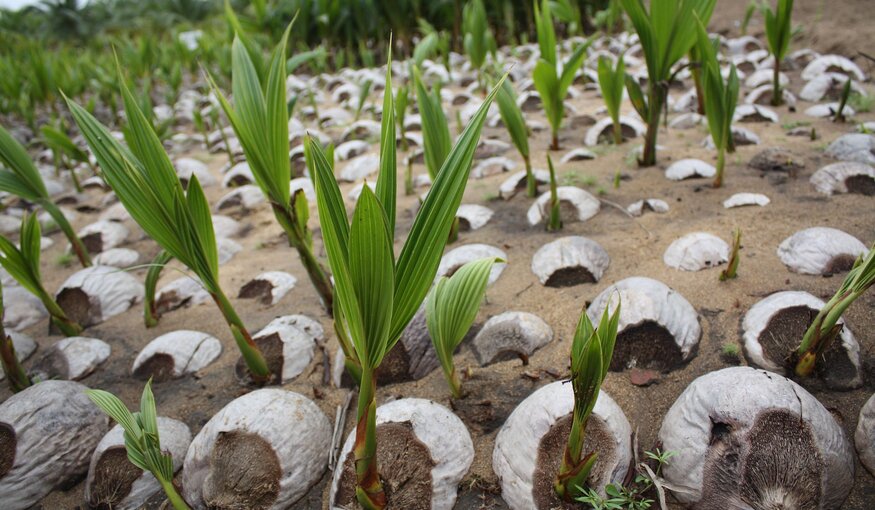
x=269, y=287
x=517, y=333
x=473, y=216
x=585, y=205
x=458, y=257
x=648, y=204
x=857, y=147
x=864, y=438
x=820, y=250
x=832, y=178
x=106, y=291
x=696, y=251
x=21, y=308
x=744, y=199
x=188, y=351
x=568, y=254
x=72, y=358
x=517, y=182
x=689, y=168
x=631, y=128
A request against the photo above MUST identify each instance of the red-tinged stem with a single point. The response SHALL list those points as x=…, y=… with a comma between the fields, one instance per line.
x=369, y=489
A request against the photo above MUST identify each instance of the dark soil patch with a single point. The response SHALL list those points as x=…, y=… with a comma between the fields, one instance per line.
x=598, y=438
x=257, y=289
x=569, y=277
x=405, y=466
x=861, y=184
x=78, y=307
x=7, y=448
x=487, y=404
x=646, y=345
x=775, y=465
x=245, y=472
x=159, y=367
x=113, y=477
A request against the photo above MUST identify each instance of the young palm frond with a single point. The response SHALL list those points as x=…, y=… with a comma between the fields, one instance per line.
x=825, y=328
x=478, y=39
x=552, y=85
x=260, y=119
x=15, y=373
x=141, y=438
x=377, y=295
x=451, y=308
x=591, y=353
x=150, y=311
x=145, y=181
x=666, y=32
x=21, y=178
x=513, y=120
x=554, y=222
x=23, y=265
x=731, y=270
x=720, y=98
x=611, y=83
x=778, y=33
x=436, y=138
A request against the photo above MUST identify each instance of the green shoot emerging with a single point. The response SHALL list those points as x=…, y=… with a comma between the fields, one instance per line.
x=15, y=373
x=825, y=328
x=19, y=176
x=478, y=39
x=141, y=438
x=364, y=90
x=451, y=309
x=732, y=267
x=778, y=34
x=554, y=222
x=720, y=98
x=513, y=120
x=846, y=94
x=23, y=265
x=611, y=83
x=551, y=85
x=436, y=138
x=260, y=119
x=667, y=33
x=591, y=353
x=377, y=295
x=145, y=181
x=150, y=311
x=401, y=99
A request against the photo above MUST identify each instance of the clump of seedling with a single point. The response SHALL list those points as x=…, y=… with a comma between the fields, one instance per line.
x=377, y=295
x=260, y=119
x=667, y=32
x=551, y=81
x=843, y=102
x=611, y=82
x=450, y=310
x=142, y=441
x=15, y=373
x=554, y=222
x=825, y=328
x=720, y=99
x=591, y=353
x=23, y=265
x=778, y=34
x=145, y=182
x=732, y=266
x=513, y=120
x=20, y=177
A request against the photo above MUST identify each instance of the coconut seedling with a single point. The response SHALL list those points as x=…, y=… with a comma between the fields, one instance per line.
x=141, y=438
x=22, y=263
x=843, y=102
x=364, y=90
x=450, y=310
x=732, y=266
x=145, y=182
x=612, y=82
x=720, y=98
x=513, y=120
x=260, y=119
x=478, y=39
x=15, y=373
x=551, y=81
x=778, y=34
x=667, y=33
x=378, y=295
x=826, y=327
x=20, y=177
x=436, y=139
x=591, y=353
x=554, y=222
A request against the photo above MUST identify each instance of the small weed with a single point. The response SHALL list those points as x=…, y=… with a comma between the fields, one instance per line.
x=729, y=350
x=861, y=103
x=787, y=126
x=601, y=191
x=65, y=260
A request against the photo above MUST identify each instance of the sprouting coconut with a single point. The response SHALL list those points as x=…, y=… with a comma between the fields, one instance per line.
x=92, y=295
x=175, y=354
x=423, y=450
x=263, y=450
x=747, y=438
x=575, y=205
x=47, y=434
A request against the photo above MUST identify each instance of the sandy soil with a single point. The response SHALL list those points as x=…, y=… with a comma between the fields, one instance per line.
x=635, y=246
